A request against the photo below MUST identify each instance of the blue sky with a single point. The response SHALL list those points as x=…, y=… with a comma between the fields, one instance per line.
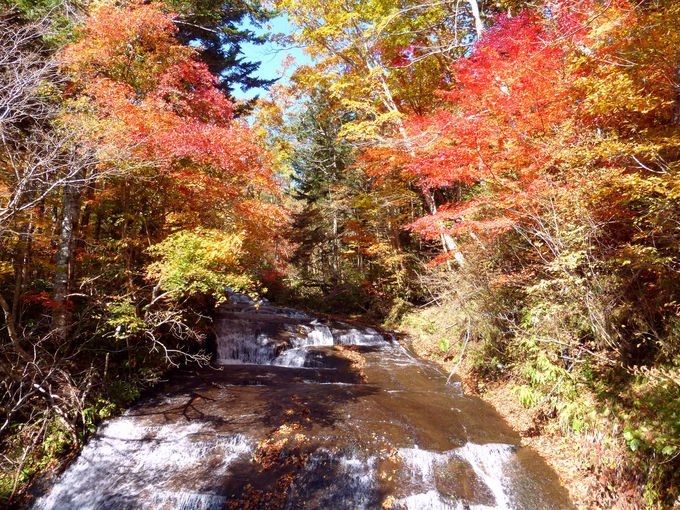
x=271, y=55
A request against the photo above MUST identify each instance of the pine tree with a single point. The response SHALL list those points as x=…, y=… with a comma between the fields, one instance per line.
x=219, y=29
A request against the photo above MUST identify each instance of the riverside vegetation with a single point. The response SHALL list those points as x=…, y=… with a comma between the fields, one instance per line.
x=499, y=179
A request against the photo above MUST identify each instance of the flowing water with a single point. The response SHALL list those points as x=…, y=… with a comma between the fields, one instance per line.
x=305, y=412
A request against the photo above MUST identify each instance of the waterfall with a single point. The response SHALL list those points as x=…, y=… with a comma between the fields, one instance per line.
x=281, y=336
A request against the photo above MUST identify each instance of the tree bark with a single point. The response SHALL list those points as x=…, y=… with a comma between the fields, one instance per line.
x=69, y=220
x=479, y=27
x=676, y=106
x=336, y=248
x=21, y=260
x=12, y=330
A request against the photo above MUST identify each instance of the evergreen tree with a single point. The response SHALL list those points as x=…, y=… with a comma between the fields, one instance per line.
x=219, y=29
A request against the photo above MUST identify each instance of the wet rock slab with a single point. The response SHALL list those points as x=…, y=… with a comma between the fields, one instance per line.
x=368, y=426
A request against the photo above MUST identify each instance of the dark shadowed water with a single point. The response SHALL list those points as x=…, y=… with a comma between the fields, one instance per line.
x=304, y=412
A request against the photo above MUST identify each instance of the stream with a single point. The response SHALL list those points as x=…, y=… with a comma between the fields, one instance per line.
x=300, y=411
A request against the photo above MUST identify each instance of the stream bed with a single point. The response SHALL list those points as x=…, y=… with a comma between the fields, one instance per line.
x=300, y=411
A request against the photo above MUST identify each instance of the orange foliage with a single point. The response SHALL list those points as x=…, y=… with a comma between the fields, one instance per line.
x=160, y=109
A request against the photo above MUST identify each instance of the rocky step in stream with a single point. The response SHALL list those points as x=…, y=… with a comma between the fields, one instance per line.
x=304, y=412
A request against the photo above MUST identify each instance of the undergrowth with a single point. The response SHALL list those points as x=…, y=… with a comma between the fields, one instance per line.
x=44, y=441
x=577, y=358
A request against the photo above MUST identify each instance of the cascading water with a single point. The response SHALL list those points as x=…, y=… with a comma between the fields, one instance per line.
x=279, y=336
x=304, y=412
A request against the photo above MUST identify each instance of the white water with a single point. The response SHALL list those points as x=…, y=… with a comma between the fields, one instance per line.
x=486, y=460
x=125, y=463
x=276, y=342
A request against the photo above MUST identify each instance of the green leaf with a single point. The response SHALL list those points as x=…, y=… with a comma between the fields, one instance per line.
x=669, y=450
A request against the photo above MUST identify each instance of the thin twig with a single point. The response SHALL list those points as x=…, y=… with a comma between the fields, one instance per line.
x=462, y=353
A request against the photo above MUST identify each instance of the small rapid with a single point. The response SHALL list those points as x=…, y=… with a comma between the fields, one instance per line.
x=265, y=335
x=301, y=411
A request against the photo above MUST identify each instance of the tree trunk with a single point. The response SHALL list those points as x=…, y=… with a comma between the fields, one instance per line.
x=12, y=330
x=336, y=249
x=479, y=28
x=21, y=259
x=124, y=246
x=69, y=220
x=448, y=242
x=676, y=107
